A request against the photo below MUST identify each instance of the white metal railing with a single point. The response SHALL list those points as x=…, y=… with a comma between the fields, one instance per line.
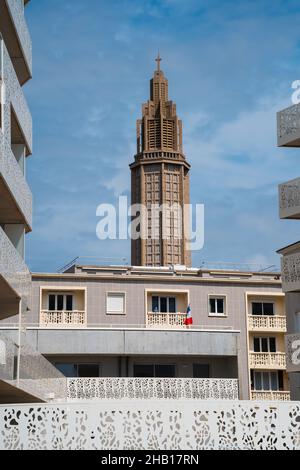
x=139, y=425
x=270, y=396
x=166, y=320
x=267, y=360
x=148, y=388
x=276, y=323
x=63, y=318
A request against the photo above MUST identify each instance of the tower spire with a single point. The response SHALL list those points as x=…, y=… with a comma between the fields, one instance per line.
x=158, y=60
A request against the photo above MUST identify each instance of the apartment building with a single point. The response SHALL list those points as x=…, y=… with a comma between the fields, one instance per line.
x=289, y=208
x=129, y=322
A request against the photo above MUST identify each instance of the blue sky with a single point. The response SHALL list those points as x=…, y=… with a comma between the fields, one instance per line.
x=230, y=66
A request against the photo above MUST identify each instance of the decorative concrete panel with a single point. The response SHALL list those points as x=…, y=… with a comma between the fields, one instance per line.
x=293, y=352
x=152, y=425
x=288, y=125
x=289, y=199
x=290, y=266
x=147, y=389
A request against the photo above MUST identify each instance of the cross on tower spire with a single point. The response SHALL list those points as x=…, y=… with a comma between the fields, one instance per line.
x=158, y=60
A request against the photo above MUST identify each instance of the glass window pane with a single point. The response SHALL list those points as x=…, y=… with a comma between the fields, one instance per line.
x=201, y=371
x=69, y=303
x=257, y=345
x=164, y=371
x=256, y=308
x=163, y=305
x=155, y=304
x=268, y=309
x=264, y=345
x=212, y=303
x=172, y=305
x=266, y=381
x=60, y=302
x=68, y=370
x=273, y=345
x=220, y=306
x=257, y=381
x=274, y=381
x=88, y=370
x=143, y=370
x=52, y=302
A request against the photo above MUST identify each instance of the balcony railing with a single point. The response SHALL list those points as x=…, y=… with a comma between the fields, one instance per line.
x=267, y=323
x=270, y=396
x=148, y=389
x=138, y=425
x=267, y=360
x=289, y=199
x=13, y=268
x=288, y=123
x=63, y=318
x=290, y=266
x=37, y=376
x=165, y=320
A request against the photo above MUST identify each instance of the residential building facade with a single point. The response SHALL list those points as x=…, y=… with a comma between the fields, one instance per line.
x=129, y=322
x=289, y=208
x=24, y=374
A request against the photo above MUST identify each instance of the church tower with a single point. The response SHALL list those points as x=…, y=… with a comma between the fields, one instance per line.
x=160, y=177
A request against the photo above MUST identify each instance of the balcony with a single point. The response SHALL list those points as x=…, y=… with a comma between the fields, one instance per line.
x=14, y=98
x=17, y=37
x=288, y=127
x=270, y=396
x=35, y=379
x=290, y=267
x=138, y=425
x=63, y=319
x=165, y=320
x=152, y=389
x=15, y=279
x=289, y=199
x=267, y=323
x=275, y=361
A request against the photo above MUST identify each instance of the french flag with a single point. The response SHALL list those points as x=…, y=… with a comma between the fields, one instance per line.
x=189, y=316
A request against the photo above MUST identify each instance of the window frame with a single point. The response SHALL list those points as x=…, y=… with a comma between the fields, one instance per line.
x=262, y=302
x=64, y=294
x=216, y=298
x=119, y=294
x=268, y=339
x=168, y=297
x=261, y=373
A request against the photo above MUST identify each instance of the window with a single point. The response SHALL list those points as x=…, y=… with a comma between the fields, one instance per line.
x=217, y=306
x=163, y=304
x=201, y=371
x=79, y=370
x=115, y=304
x=264, y=345
x=267, y=381
x=60, y=302
x=262, y=308
x=154, y=370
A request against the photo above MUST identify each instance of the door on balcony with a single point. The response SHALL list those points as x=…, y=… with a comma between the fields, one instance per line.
x=60, y=302
x=163, y=304
x=264, y=345
x=263, y=309
x=154, y=370
x=264, y=381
